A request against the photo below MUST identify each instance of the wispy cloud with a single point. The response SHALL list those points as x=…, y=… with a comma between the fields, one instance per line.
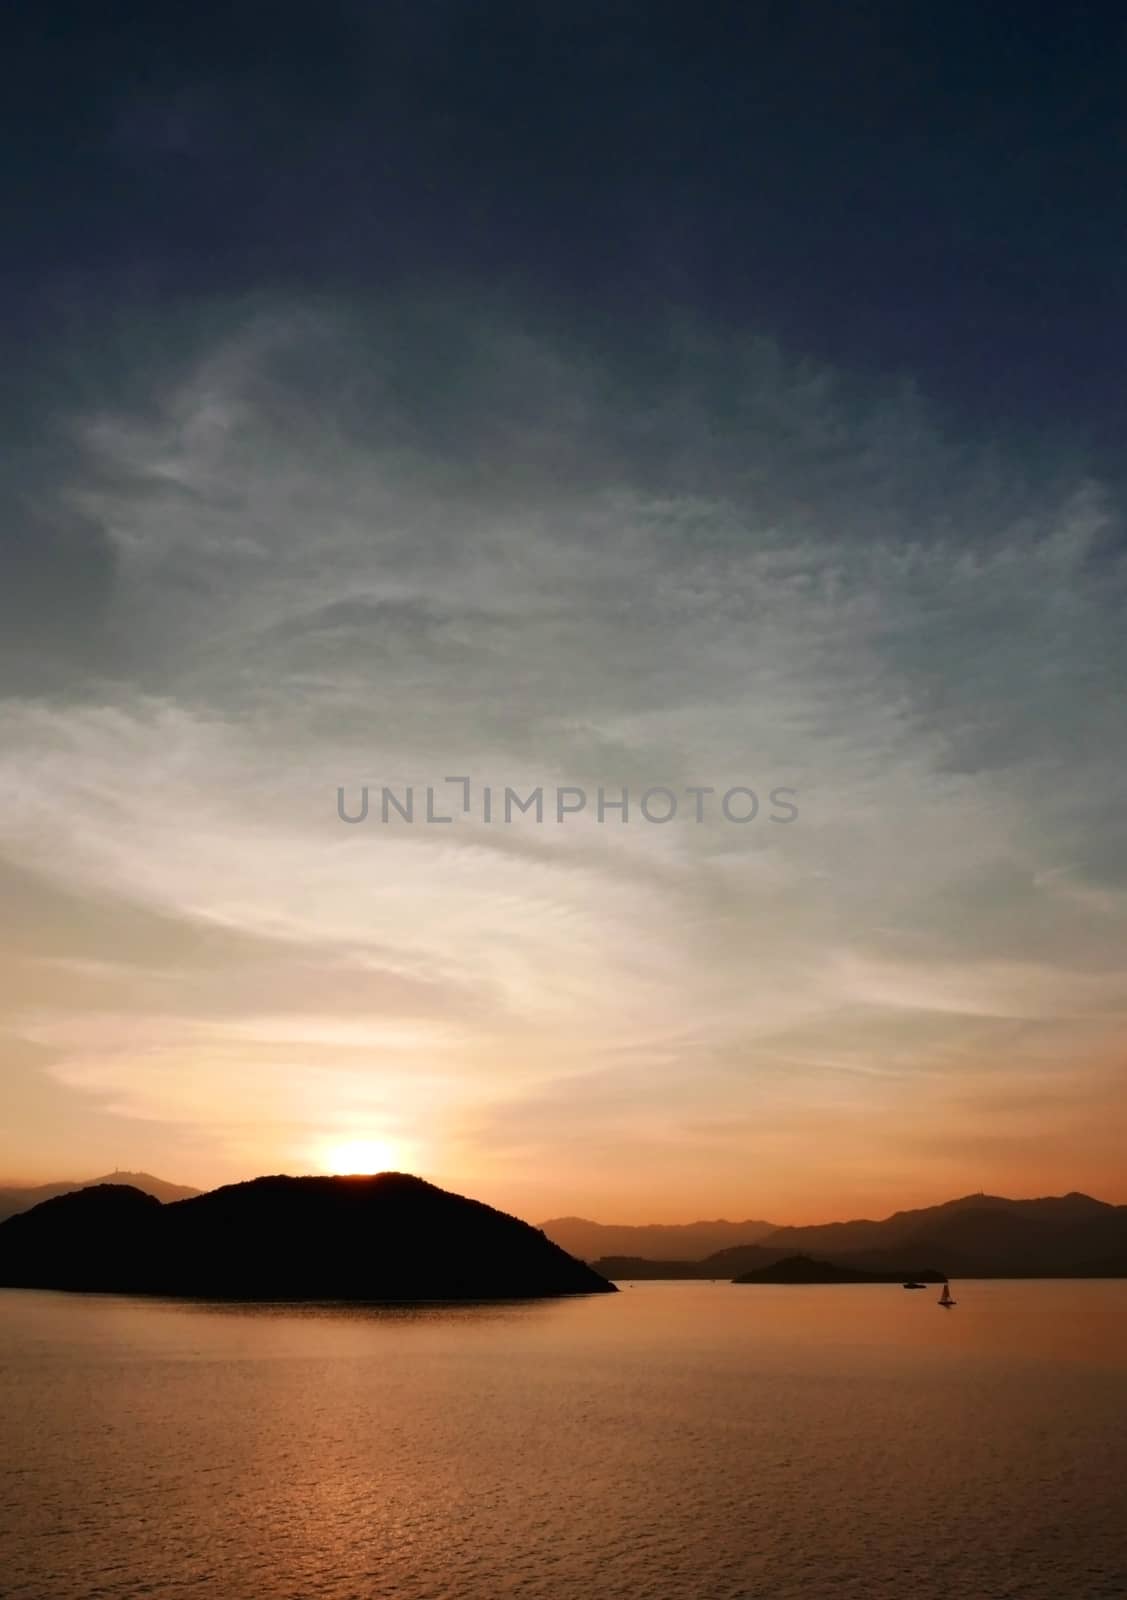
x=348, y=546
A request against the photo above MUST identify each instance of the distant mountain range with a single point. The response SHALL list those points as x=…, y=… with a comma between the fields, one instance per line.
x=685, y=1241
x=977, y=1236
x=15, y=1200
x=390, y=1237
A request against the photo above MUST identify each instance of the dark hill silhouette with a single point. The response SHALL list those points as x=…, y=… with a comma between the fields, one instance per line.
x=804, y=1269
x=22, y=1199
x=977, y=1235
x=388, y=1237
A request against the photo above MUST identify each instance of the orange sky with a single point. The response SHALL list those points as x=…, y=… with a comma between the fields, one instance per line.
x=912, y=989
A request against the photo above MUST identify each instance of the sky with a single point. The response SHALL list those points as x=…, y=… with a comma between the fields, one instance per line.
x=563, y=399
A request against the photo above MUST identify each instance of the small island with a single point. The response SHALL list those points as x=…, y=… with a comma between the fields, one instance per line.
x=390, y=1237
x=805, y=1269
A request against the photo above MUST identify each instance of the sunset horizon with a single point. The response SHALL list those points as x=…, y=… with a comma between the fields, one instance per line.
x=639, y=1213
x=563, y=801
x=669, y=800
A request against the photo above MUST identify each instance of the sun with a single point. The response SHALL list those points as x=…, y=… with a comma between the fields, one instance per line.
x=348, y=1157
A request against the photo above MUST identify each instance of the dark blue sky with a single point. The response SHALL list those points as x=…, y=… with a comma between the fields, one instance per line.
x=935, y=192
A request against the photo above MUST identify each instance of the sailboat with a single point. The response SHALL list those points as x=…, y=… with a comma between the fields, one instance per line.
x=945, y=1297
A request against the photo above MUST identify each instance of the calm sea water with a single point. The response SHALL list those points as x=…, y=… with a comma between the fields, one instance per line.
x=676, y=1440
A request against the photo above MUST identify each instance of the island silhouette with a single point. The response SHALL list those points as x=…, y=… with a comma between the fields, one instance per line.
x=394, y=1236
x=805, y=1269
x=389, y=1237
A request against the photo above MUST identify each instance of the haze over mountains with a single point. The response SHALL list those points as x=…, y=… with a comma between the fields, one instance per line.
x=656, y=1241
x=16, y=1199
x=977, y=1235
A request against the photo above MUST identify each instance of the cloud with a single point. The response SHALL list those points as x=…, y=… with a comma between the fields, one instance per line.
x=346, y=545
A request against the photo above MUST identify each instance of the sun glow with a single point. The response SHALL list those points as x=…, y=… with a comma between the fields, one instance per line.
x=351, y=1156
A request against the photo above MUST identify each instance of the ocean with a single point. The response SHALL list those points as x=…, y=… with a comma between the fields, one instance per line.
x=676, y=1440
